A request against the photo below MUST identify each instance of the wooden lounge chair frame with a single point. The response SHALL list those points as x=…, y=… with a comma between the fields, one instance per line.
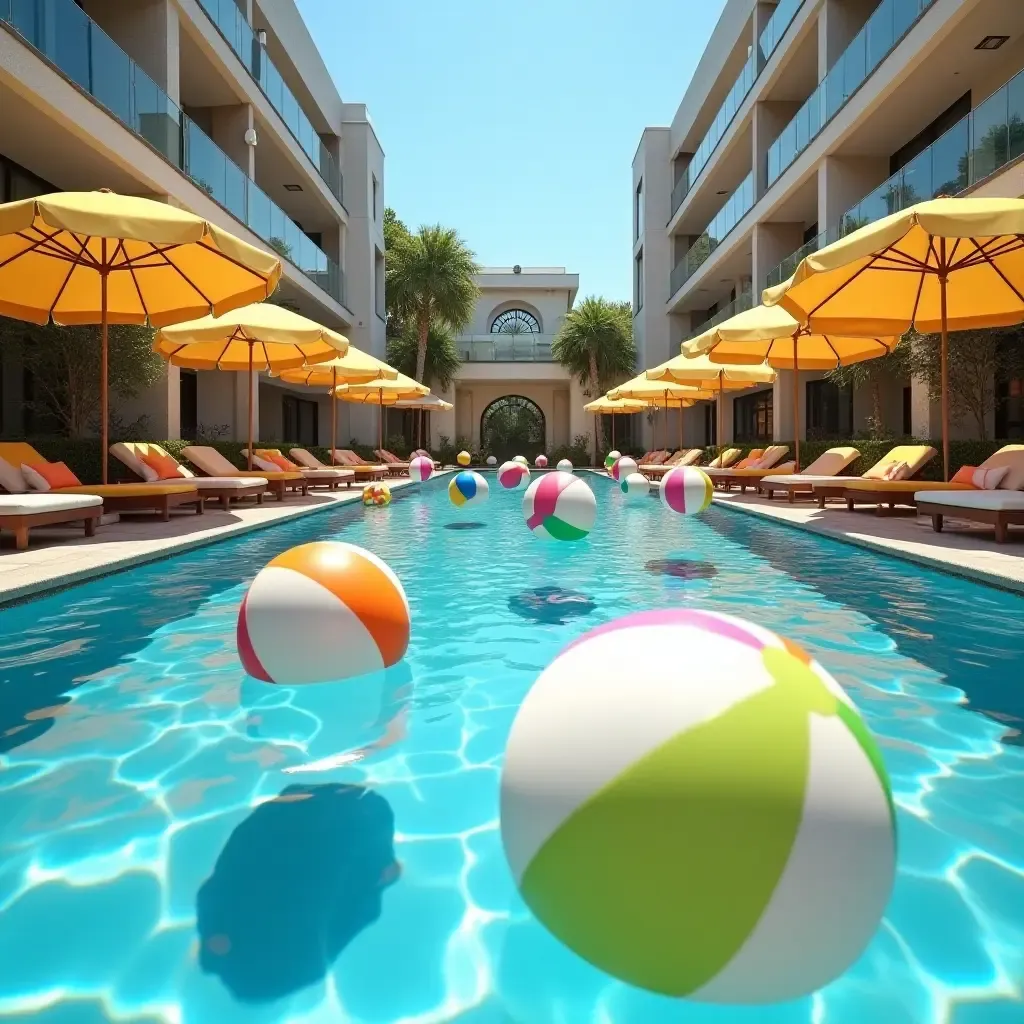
x=362, y=469
x=1001, y=519
x=21, y=523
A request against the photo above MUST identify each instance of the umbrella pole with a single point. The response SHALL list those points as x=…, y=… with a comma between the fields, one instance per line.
x=796, y=404
x=334, y=416
x=721, y=445
x=613, y=431
x=104, y=359
x=250, y=406
x=680, y=424
x=944, y=358
x=380, y=419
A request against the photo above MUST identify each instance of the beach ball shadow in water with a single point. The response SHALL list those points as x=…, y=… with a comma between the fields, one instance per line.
x=681, y=568
x=296, y=882
x=465, y=526
x=551, y=605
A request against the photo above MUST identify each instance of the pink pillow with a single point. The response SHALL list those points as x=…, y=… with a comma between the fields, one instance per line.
x=897, y=471
x=989, y=479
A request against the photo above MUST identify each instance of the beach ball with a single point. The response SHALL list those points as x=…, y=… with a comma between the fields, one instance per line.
x=636, y=485
x=342, y=609
x=610, y=459
x=564, y=466
x=513, y=475
x=467, y=488
x=541, y=461
x=376, y=495
x=686, y=490
x=694, y=805
x=560, y=506
x=491, y=460
x=463, y=458
x=522, y=460
x=622, y=467
x=421, y=469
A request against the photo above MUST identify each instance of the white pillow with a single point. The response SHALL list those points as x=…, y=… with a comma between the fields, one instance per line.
x=35, y=481
x=149, y=474
x=11, y=479
x=989, y=479
x=265, y=464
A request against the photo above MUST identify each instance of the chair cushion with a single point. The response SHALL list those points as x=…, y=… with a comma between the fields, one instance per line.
x=896, y=471
x=989, y=479
x=831, y=462
x=900, y=486
x=1011, y=455
x=306, y=459
x=132, y=490
x=964, y=475
x=226, y=483
x=283, y=463
x=160, y=466
x=35, y=504
x=49, y=476
x=999, y=501
x=914, y=455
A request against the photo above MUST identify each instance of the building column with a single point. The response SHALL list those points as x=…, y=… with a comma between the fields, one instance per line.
x=229, y=125
x=767, y=123
x=771, y=244
x=783, y=427
x=241, y=406
x=761, y=15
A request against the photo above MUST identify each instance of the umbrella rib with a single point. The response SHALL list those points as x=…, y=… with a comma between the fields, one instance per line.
x=230, y=259
x=181, y=273
x=223, y=351
x=35, y=245
x=1004, y=278
x=67, y=278
x=853, y=277
x=138, y=291
x=266, y=354
x=981, y=255
x=917, y=299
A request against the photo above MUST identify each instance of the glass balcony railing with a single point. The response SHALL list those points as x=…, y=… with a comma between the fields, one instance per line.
x=82, y=51
x=229, y=19
x=889, y=23
x=979, y=144
x=782, y=17
x=745, y=300
x=734, y=210
x=505, y=348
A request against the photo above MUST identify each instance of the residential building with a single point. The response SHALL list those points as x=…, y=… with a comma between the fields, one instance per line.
x=509, y=392
x=225, y=109
x=804, y=120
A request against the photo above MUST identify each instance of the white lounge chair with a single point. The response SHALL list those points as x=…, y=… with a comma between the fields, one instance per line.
x=20, y=513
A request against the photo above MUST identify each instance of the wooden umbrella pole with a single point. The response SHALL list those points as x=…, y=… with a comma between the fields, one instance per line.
x=250, y=405
x=944, y=359
x=721, y=444
x=613, y=431
x=334, y=416
x=104, y=358
x=380, y=419
x=796, y=403
x=680, y=424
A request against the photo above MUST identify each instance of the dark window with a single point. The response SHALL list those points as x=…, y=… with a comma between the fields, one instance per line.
x=28, y=396
x=927, y=136
x=908, y=411
x=829, y=411
x=811, y=233
x=753, y=417
x=1010, y=403
x=300, y=420
x=17, y=183
x=711, y=422
x=188, y=404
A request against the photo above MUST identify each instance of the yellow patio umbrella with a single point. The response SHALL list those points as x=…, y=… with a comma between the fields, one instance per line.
x=260, y=337
x=769, y=336
x=102, y=258
x=382, y=393
x=940, y=266
x=354, y=367
x=617, y=407
x=663, y=394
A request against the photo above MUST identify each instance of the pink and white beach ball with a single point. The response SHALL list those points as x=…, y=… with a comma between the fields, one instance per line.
x=622, y=467
x=686, y=490
x=513, y=476
x=421, y=469
x=560, y=506
x=541, y=462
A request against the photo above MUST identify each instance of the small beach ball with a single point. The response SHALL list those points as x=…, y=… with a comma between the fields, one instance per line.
x=421, y=469
x=560, y=506
x=513, y=475
x=467, y=488
x=491, y=460
x=719, y=828
x=622, y=467
x=610, y=459
x=686, y=490
x=564, y=466
x=636, y=485
x=463, y=458
x=541, y=461
x=522, y=460
x=376, y=495
x=342, y=609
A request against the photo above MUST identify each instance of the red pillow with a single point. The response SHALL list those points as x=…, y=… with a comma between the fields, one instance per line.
x=49, y=476
x=964, y=475
x=165, y=467
x=285, y=464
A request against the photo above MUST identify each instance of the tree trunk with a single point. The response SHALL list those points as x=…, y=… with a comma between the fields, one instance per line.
x=422, y=331
x=594, y=387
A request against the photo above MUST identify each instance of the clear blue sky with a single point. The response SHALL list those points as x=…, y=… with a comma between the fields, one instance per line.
x=516, y=121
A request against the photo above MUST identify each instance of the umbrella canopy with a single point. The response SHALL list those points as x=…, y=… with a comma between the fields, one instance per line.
x=102, y=258
x=261, y=336
x=429, y=403
x=614, y=407
x=382, y=393
x=664, y=394
x=947, y=264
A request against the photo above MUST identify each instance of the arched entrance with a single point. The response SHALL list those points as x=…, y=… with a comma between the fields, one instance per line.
x=512, y=425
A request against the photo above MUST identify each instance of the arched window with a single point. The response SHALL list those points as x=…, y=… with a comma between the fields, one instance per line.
x=515, y=321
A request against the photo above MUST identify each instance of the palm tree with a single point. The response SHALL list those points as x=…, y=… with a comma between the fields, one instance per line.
x=442, y=361
x=595, y=343
x=430, y=281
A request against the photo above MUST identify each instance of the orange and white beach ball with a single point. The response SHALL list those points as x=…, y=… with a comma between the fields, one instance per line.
x=376, y=495
x=321, y=612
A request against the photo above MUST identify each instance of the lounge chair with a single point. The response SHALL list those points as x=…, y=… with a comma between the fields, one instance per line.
x=427, y=455
x=363, y=470
x=753, y=469
x=155, y=497
x=682, y=458
x=885, y=494
x=826, y=466
x=210, y=461
x=307, y=460
x=223, y=488
x=20, y=513
x=998, y=508
x=272, y=459
x=723, y=460
x=393, y=462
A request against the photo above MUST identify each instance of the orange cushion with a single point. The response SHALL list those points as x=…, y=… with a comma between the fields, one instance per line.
x=964, y=475
x=279, y=460
x=48, y=476
x=165, y=467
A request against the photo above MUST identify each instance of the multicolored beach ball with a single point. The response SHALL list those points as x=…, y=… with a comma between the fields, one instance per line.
x=491, y=460
x=522, y=460
x=467, y=488
x=622, y=467
x=564, y=466
x=376, y=495
x=721, y=829
x=560, y=506
x=686, y=490
x=636, y=485
x=342, y=609
x=463, y=458
x=513, y=475
x=541, y=462
x=421, y=469
x=610, y=459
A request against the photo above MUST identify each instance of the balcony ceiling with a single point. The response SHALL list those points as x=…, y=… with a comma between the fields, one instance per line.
x=201, y=83
x=728, y=168
x=798, y=77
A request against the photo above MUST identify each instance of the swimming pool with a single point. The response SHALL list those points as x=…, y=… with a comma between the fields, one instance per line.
x=180, y=843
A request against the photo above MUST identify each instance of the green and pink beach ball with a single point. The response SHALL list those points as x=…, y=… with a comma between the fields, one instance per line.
x=686, y=490
x=559, y=506
x=610, y=459
x=694, y=805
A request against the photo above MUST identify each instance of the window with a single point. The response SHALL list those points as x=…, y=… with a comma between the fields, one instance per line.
x=753, y=417
x=1010, y=400
x=374, y=198
x=300, y=420
x=17, y=183
x=829, y=411
x=638, y=210
x=188, y=404
x=908, y=412
x=638, y=283
x=515, y=321
x=711, y=422
x=378, y=284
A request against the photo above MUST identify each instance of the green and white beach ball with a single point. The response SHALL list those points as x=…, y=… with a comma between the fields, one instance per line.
x=610, y=459
x=695, y=806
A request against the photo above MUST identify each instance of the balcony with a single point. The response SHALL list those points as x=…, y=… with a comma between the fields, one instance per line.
x=85, y=54
x=735, y=209
x=782, y=17
x=240, y=36
x=889, y=23
x=505, y=348
x=743, y=301
x=989, y=137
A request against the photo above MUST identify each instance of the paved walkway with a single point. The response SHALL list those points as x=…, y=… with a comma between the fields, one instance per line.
x=963, y=548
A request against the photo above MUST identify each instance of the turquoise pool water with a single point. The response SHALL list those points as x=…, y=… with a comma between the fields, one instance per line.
x=179, y=843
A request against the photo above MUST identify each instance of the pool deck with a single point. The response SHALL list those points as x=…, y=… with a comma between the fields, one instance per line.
x=964, y=549
x=58, y=556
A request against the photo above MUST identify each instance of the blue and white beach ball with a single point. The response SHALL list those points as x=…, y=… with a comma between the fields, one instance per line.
x=467, y=488
x=634, y=486
x=694, y=805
